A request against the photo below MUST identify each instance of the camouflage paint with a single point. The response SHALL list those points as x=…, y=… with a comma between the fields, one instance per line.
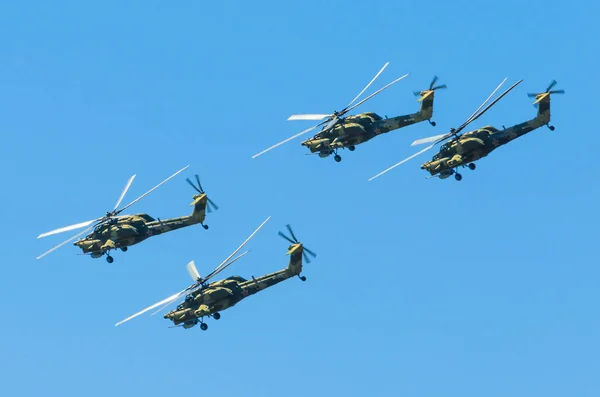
x=124, y=231
x=477, y=144
x=354, y=130
x=223, y=294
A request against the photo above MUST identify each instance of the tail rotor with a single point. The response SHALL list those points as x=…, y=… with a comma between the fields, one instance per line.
x=431, y=88
x=210, y=206
x=423, y=95
x=293, y=240
x=541, y=95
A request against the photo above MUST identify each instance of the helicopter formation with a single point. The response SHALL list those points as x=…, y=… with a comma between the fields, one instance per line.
x=206, y=298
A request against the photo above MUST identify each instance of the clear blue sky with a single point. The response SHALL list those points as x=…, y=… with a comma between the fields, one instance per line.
x=421, y=287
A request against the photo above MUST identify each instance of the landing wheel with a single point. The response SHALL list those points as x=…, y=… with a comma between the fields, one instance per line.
x=109, y=259
x=203, y=326
x=551, y=127
x=205, y=227
x=351, y=148
x=432, y=123
x=124, y=249
x=302, y=278
x=337, y=158
x=216, y=316
x=472, y=166
x=458, y=176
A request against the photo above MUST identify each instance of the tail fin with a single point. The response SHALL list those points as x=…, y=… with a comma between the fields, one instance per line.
x=297, y=252
x=426, y=99
x=199, y=203
x=542, y=102
x=295, y=266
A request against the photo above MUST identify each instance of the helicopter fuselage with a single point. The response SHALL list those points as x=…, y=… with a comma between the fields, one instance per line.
x=473, y=146
x=354, y=130
x=127, y=230
x=223, y=294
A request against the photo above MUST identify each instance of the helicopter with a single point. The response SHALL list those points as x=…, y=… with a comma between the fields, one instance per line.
x=113, y=230
x=341, y=132
x=209, y=299
x=463, y=150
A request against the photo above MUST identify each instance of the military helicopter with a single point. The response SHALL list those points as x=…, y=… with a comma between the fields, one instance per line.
x=204, y=299
x=340, y=131
x=463, y=150
x=113, y=231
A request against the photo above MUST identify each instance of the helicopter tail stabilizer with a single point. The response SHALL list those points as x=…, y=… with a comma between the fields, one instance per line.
x=295, y=264
x=199, y=203
x=297, y=252
x=542, y=102
x=426, y=99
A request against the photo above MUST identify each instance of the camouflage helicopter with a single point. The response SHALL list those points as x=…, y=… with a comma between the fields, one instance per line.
x=204, y=299
x=339, y=132
x=463, y=150
x=113, y=231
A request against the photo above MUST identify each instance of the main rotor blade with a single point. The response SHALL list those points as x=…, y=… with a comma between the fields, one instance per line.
x=481, y=106
x=225, y=266
x=552, y=84
x=401, y=162
x=315, y=117
x=67, y=228
x=64, y=242
x=193, y=272
x=286, y=140
x=305, y=256
x=488, y=107
x=236, y=251
x=330, y=124
x=162, y=302
x=124, y=192
x=151, y=190
x=368, y=85
x=427, y=140
x=163, y=307
x=373, y=94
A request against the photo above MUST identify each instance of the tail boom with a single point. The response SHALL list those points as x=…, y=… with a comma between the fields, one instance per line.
x=394, y=123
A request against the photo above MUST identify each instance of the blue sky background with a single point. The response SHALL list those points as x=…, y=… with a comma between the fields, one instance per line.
x=420, y=288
